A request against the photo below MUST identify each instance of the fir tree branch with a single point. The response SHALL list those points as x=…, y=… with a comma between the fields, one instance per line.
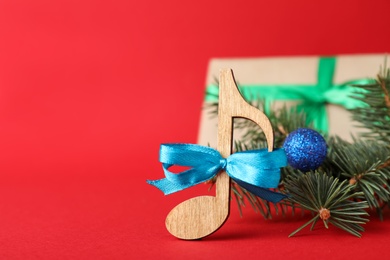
x=366, y=165
x=329, y=200
x=375, y=116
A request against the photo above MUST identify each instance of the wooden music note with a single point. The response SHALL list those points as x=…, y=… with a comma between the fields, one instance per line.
x=201, y=216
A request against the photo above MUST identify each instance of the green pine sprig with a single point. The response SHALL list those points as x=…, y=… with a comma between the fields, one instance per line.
x=375, y=115
x=329, y=200
x=365, y=164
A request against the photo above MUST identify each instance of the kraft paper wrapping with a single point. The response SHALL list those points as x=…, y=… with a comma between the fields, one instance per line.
x=293, y=70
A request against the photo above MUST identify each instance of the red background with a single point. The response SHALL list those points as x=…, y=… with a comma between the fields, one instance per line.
x=90, y=88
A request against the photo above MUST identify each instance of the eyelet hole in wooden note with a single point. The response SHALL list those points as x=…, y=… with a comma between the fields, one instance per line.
x=201, y=216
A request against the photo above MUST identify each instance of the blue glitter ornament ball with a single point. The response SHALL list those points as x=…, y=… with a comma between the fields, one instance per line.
x=305, y=149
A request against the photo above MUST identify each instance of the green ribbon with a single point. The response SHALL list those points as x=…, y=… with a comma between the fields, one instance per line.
x=313, y=97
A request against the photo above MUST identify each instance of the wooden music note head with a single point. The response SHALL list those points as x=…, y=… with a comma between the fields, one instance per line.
x=201, y=216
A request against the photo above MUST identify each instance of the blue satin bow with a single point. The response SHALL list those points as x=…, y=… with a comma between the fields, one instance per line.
x=255, y=170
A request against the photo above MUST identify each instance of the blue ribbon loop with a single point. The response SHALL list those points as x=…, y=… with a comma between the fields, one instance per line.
x=255, y=170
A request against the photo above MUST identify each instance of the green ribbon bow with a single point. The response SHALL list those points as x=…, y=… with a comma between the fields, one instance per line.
x=313, y=97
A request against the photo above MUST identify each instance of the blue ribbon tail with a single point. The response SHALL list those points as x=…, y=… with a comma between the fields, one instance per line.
x=265, y=194
x=166, y=186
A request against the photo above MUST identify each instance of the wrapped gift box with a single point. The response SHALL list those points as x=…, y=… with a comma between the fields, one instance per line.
x=293, y=71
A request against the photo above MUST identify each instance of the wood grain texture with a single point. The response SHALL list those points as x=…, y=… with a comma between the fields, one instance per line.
x=201, y=216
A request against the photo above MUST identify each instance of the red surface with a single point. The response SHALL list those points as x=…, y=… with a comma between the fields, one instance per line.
x=88, y=91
